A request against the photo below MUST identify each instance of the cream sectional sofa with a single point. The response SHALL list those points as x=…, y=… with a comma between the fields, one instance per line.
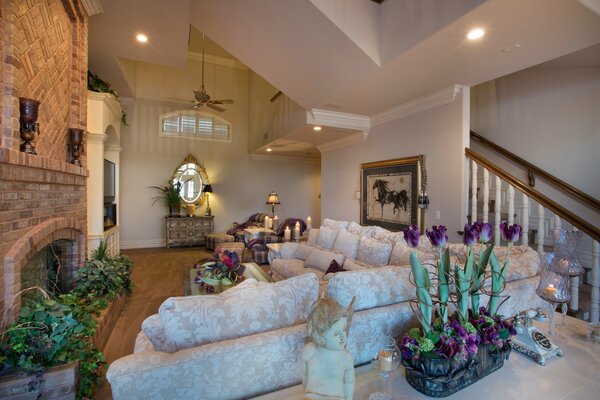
x=247, y=341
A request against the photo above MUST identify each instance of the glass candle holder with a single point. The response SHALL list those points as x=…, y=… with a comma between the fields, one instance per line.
x=553, y=286
x=566, y=250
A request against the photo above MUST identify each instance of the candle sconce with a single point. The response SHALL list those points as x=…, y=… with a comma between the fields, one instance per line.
x=75, y=145
x=28, y=125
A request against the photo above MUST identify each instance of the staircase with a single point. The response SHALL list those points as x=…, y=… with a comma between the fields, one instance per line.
x=515, y=201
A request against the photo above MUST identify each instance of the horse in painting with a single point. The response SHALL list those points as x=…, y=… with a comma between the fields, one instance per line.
x=386, y=196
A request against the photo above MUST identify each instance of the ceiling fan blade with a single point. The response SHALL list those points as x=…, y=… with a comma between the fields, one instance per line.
x=182, y=100
x=224, y=101
x=210, y=105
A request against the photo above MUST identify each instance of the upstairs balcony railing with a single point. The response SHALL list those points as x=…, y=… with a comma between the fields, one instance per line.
x=504, y=188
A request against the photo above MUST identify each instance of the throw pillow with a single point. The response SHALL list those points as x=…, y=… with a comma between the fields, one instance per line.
x=303, y=251
x=288, y=250
x=313, y=236
x=327, y=237
x=321, y=259
x=373, y=252
x=346, y=243
x=331, y=223
x=353, y=227
x=334, y=267
x=400, y=253
x=195, y=320
x=354, y=265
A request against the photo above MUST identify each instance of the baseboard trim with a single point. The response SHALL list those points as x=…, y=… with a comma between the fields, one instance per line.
x=142, y=244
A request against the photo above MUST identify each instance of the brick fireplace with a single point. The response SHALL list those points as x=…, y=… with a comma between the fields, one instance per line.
x=43, y=48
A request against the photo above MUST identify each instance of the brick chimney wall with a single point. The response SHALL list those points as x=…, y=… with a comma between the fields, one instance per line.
x=43, y=56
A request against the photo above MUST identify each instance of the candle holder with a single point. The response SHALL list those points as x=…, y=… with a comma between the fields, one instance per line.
x=388, y=360
x=28, y=125
x=566, y=250
x=554, y=288
x=75, y=145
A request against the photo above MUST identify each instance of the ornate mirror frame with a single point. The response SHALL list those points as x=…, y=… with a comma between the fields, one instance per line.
x=191, y=174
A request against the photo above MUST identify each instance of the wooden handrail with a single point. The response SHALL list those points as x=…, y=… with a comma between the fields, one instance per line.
x=551, y=205
x=556, y=182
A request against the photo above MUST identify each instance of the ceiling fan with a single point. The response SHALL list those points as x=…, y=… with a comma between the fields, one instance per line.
x=201, y=98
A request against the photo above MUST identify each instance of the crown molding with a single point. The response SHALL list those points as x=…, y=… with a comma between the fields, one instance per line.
x=96, y=137
x=209, y=58
x=276, y=157
x=337, y=119
x=420, y=104
x=355, y=138
x=92, y=7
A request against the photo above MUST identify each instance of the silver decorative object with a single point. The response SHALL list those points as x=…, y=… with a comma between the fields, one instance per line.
x=530, y=341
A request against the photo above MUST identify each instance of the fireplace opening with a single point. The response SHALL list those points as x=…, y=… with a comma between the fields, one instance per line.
x=51, y=269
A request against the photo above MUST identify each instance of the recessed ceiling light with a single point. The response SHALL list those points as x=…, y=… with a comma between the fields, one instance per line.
x=269, y=149
x=140, y=37
x=317, y=128
x=475, y=34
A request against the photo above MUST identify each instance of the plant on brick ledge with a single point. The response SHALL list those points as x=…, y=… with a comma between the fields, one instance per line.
x=57, y=328
x=97, y=84
x=450, y=351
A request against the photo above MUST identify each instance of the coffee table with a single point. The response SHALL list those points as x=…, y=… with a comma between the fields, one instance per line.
x=193, y=289
x=576, y=376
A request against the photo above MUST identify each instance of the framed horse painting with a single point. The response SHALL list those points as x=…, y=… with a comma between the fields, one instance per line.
x=389, y=191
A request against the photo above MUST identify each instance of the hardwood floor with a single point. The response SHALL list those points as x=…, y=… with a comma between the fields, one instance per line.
x=157, y=274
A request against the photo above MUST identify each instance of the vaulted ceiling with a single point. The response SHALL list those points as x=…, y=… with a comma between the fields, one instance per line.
x=351, y=56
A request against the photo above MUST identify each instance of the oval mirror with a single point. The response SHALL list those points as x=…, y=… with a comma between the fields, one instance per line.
x=192, y=177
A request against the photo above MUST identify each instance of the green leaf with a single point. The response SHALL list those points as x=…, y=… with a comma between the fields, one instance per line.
x=226, y=281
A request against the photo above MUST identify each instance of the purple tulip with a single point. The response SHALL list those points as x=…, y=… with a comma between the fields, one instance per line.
x=471, y=235
x=485, y=231
x=510, y=233
x=411, y=235
x=437, y=236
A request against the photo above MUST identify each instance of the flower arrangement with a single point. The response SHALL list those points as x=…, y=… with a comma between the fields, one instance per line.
x=455, y=340
x=223, y=269
x=170, y=194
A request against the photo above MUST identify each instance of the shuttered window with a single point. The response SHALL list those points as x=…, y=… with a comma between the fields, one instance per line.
x=196, y=125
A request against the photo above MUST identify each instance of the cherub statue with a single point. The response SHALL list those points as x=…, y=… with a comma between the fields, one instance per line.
x=327, y=366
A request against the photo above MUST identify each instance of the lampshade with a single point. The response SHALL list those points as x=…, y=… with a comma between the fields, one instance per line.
x=208, y=188
x=273, y=198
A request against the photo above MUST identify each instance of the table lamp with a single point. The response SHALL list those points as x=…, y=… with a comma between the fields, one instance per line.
x=273, y=199
x=207, y=190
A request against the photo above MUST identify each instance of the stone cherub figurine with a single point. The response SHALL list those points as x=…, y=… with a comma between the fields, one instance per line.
x=327, y=366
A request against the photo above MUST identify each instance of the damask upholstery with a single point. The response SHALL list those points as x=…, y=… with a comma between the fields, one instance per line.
x=321, y=259
x=313, y=235
x=373, y=252
x=346, y=243
x=326, y=237
x=303, y=251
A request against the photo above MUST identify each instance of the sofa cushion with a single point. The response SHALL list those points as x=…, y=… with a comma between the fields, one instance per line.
x=321, y=259
x=354, y=265
x=330, y=223
x=313, y=237
x=290, y=268
x=354, y=227
x=195, y=320
x=366, y=231
x=288, y=250
x=303, y=251
x=346, y=243
x=372, y=287
x=326, y=237
x=373, y=252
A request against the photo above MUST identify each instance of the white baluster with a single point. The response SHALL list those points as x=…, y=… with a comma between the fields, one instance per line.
x=525, y=220
x=486, y=195
x=497, y=207
x=574, y=304
x=511, y=205
x=557, y=222
x=595, y=302
x=540, y=234
x=473, y=192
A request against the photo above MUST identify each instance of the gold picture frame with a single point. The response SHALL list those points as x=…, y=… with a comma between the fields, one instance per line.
x=389, y=191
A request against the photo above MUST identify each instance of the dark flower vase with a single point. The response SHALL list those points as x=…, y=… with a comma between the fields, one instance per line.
x=28, y=109
x=441, y=377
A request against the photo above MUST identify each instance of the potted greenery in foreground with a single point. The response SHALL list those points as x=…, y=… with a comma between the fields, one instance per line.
x=448, y=352
x=57, y=329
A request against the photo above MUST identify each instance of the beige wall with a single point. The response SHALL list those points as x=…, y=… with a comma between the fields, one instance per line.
x=240, y=184
x=437, y=133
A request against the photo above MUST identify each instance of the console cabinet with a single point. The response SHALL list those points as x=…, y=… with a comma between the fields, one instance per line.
x=188, y=231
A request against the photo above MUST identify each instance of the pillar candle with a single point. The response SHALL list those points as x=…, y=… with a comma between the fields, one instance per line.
x=267, y=222
x=385, y=361
x=297, y=231
x=276, y=222
x=287, y=234
x=308, y=223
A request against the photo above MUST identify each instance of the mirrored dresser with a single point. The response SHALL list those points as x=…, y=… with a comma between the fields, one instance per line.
x=188, y=231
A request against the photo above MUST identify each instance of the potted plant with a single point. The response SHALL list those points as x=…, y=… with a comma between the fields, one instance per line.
x=170, y=195
x=97, y=84
x=448, y=352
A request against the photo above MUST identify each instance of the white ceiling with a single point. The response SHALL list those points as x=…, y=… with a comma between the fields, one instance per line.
x=351, y=56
